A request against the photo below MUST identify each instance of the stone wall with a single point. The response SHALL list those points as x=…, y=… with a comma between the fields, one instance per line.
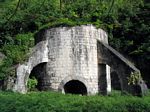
x=123, y=67
x=73, y=53
x=38, y=55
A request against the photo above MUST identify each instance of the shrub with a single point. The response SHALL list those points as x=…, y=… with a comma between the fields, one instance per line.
x=56, y=102
x=32, y=83
x=15, y=52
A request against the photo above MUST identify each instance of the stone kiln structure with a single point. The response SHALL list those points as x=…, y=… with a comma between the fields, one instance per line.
x=74, y=60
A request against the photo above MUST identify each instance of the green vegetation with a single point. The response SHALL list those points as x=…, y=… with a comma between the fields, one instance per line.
x=56, y=102
x=16, y=52
x=126, y=22
x=32, y=83
x=134, y=78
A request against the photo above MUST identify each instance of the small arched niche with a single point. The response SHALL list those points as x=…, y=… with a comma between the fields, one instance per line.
x=75, y=87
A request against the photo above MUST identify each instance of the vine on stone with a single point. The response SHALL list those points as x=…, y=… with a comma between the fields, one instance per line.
x=134, y=78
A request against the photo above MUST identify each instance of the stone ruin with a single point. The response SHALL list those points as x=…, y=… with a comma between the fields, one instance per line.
x=76, y=60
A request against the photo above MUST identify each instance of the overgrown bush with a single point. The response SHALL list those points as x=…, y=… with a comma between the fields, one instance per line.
x=16, y=52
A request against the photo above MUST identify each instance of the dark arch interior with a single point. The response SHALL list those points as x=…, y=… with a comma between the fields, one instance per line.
x=38, y=72
x=115, y=82
x=75, y=87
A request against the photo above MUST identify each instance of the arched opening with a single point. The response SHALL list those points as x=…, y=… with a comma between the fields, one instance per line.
x=37, y=74
x=75, y=87
x=115, y=81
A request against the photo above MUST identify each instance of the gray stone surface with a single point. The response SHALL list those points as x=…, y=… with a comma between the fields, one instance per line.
x=123, y=67
x=39, y=55
x=74, y=53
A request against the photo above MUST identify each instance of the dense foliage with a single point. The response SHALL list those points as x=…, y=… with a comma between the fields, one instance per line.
x=55, y=102
x=126, y=22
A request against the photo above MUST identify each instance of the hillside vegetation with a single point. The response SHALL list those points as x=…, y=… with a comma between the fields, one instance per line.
x=126, y=22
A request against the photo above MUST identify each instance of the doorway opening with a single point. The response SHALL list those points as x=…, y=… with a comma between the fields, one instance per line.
x=75, y=87
x=36, y=77
x=115, y=81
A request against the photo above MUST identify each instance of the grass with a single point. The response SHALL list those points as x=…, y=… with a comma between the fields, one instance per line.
x=57, y=102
